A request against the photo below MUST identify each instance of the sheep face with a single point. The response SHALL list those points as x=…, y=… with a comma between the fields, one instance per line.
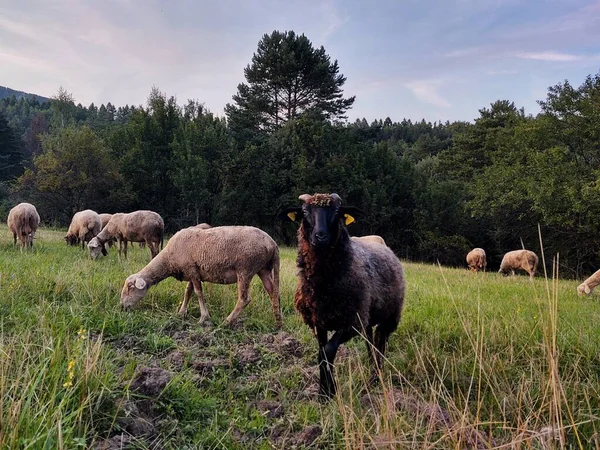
x=71, y=239
x=583, y=289
x=96, y=248
x=134, y=290
x=322, y=217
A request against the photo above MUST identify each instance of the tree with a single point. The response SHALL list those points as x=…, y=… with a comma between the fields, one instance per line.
x=287, y=77
x=11, y=152
x=75, y=171
x=64, y=106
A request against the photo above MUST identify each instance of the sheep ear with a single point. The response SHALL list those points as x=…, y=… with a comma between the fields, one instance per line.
x=139, y=283
x=348, y=213
x=586, y=289
x=293, y=214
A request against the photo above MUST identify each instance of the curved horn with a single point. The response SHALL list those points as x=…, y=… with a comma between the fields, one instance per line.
x=336, y=198
x=305, y=198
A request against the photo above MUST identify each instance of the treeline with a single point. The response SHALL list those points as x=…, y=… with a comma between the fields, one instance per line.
x=432, y=190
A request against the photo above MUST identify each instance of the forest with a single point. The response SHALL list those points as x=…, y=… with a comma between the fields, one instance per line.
x=432, y=190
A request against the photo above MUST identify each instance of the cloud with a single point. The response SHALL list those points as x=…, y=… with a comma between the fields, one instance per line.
x=426, y=91
x=548, y=56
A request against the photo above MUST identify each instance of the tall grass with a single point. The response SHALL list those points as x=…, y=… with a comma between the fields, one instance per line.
x=478, y=361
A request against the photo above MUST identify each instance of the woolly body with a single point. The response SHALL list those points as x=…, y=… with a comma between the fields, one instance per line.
x=476, y=260
x=23, y=221
x=84, y=226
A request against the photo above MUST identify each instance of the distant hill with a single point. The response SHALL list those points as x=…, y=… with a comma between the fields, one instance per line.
x=6, y=92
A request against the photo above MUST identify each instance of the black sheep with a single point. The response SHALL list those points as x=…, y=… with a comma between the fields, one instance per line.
x=344, y=285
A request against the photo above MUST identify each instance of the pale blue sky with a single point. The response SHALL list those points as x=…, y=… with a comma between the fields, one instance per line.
x=438, y=60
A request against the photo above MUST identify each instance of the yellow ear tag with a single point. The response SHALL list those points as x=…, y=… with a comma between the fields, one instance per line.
x=292, y=216
x=349, y=219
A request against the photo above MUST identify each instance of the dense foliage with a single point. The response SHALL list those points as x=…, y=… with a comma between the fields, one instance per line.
x=433, y=190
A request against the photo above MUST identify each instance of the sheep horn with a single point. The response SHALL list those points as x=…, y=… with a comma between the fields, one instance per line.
x=336, y=198
x=305, y=198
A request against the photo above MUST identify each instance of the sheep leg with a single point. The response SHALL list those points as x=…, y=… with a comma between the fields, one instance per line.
x=327, y=353
x=267, y=280
x=243, y=283
x=183, y=309
x=15, y=239
x=382, y=333
x=204, y=315
x=125, y=248
x=369, y=343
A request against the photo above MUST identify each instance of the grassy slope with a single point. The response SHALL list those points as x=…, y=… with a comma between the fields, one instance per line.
x=476, y=358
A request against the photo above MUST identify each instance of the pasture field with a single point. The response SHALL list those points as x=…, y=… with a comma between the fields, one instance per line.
x=478, y=361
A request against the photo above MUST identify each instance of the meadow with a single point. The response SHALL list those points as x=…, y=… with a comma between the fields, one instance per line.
x=478, y=361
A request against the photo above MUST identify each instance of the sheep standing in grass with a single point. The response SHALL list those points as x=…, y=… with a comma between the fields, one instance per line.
x=222, y=255
x=139, y=226
x=589, y=284
x=372, y=238
x=476, y=260
x=23, y=221
x=519, y=259
x=344, y=285
x=84, y=226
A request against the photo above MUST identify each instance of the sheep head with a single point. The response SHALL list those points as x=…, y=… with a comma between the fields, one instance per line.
x=134, y=290
x=583, y=288
x=322, y=217
x=96, y=248
x=71, y=239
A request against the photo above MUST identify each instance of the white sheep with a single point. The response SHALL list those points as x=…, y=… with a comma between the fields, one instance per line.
x=372, y=238
x=222, y=255
x=589, y=284
x=138, y=226
x=23, y=221
x=519, y=259
x=105, y=217
x=84, y=226
x=476, y=260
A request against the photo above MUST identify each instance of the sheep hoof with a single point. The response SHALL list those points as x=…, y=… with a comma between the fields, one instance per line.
x=204, y=321
x=182, y=312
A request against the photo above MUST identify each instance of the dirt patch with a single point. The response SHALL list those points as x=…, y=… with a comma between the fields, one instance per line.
x=193, y=338
x=269, y=408
x=307, y=436
x=150, y=381
x=138, y=418
x=206, y=366
x=284, y=344
x=125, y=343
x=177, y=359
x=247, y=355
x=433, y=414
x=118, y=442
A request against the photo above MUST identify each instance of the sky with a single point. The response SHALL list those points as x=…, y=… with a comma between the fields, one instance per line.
x=414, y=59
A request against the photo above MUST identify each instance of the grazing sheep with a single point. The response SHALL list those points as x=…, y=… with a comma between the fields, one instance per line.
x=344, y=285
x=589, y=284
x=373, y=238
x=84, y=226
x=476, y=260
x=23, y=221
x=139, y=226
x=222, y=255
x=519, y=259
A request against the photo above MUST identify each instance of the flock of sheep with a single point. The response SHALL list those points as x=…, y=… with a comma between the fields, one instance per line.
x=347, y=285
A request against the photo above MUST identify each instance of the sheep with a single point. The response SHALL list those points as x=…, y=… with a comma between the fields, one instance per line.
x=589, y=284
x=105, y=217
x=23, y=221
x=476, y=260
x=373, y=238
x=222, y=255
x=84, y=226
x=519, y=259
x=138, y=226
x=344, y=285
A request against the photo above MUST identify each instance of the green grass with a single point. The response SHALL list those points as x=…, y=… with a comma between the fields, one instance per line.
x=476, y=359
